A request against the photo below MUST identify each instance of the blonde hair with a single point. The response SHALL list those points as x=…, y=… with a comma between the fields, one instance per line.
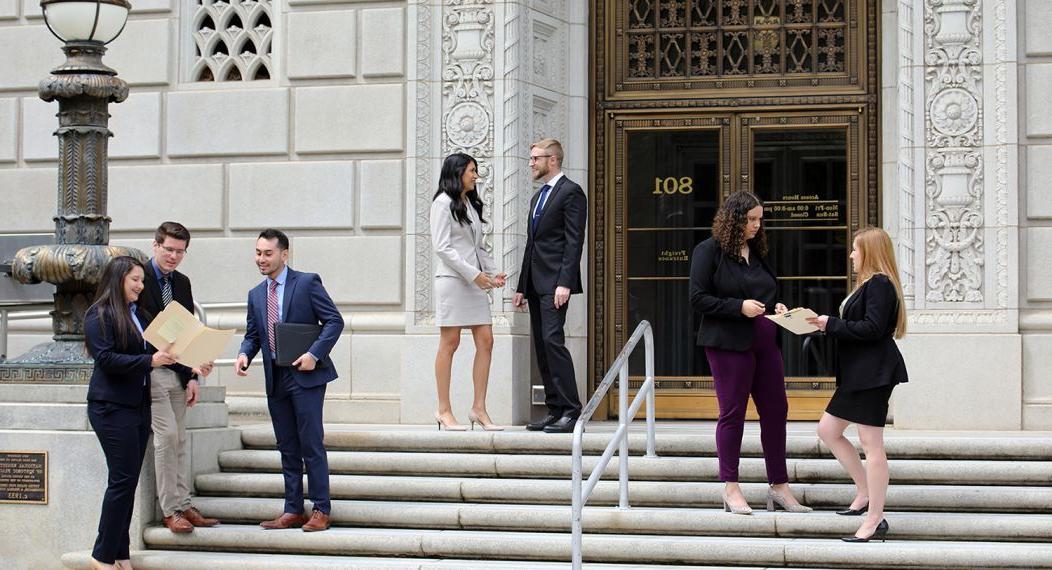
x=878, y=257
x=554, y=147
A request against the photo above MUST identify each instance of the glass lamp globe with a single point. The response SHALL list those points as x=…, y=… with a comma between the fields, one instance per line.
x=86, y=20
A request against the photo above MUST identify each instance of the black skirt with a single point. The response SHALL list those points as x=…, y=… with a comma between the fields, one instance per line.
x=866, y=407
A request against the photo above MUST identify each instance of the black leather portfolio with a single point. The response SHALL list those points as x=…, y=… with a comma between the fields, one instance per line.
x=291, y=340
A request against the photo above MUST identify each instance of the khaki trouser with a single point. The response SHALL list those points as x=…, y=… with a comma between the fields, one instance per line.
x=169, y=440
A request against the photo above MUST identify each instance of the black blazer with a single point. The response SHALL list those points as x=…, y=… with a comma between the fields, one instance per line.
x=867, y=356
x=150, y=300
x=553, y=252
x=717, y=294
x=121, y=372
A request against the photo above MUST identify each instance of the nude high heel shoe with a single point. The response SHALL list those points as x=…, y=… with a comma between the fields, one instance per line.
x=448, y=427
x=775, y=497
x=474, y=419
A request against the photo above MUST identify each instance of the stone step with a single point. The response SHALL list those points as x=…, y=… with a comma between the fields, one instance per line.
x=74, y=416
x=904, y=444
x=960, y=498
x=78, y=393
x=915, y=471
x=643, y=520
x=184, y=560
x=606, y=548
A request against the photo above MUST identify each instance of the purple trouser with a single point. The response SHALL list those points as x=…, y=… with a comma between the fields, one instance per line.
x=736, y=375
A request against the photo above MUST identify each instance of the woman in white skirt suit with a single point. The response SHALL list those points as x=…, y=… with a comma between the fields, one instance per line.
x=464, y=272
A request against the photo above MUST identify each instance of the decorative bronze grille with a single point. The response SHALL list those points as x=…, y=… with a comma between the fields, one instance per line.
x=720, y=44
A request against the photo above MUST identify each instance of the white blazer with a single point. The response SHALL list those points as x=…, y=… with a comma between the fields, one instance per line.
x=458, y=247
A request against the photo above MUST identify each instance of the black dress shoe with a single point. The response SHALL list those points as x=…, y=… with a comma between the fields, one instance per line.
x=849, y=512
x=881, y=532
x=543, y=422
x=562, y=425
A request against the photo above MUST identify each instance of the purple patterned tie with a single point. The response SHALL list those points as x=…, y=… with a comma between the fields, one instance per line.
x=272, y=312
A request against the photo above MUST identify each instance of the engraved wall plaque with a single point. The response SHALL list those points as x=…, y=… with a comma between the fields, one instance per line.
x=23, y=477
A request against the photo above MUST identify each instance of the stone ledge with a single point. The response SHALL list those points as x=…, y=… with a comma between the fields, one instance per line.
x=958, y=498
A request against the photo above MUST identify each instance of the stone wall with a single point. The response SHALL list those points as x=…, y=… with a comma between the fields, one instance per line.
x=1035, y=211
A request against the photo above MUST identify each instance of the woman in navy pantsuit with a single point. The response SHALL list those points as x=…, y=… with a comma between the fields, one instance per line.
x=119, y=399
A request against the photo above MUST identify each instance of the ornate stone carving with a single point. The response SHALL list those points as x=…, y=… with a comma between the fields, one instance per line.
x=906, y=164
x=423, y=313
x=953, y=162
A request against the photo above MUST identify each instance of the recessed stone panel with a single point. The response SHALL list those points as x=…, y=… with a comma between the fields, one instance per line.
x=1038, y=174
x=1038, y=86
x=8, y=129
x=322, y=44
x=356, y=270
x=380, y=190
x=38, y=53
x=376, y=364
x=238, y=121
x=292, y=195
x=383, y=42
x=221, y=269
x=1038, y=22
x=9, y=9
x=136, y=127
x=141, y=53
x=1038, y=269
x=39, y=122
x=350, y=118
x=141, y=197
x=27, y=199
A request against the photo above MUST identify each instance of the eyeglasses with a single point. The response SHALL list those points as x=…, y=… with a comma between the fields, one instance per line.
x=173, y=251
x=539, y=156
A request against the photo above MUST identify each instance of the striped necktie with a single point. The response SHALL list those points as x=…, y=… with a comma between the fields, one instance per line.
x=272, y=313
x=166, y=289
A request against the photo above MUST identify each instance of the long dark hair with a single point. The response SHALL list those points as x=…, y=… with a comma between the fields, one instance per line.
x=110, y=302
x=729, y=225
x=450, y=183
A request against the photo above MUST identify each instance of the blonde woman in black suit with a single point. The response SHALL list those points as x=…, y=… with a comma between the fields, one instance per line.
x=464, y=273
x=869, y=365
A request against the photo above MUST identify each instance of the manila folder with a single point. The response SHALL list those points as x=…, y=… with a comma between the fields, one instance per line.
x=179, y=331
x=795, y=321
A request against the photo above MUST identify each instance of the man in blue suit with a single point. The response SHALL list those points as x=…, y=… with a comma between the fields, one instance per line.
x=295, y=394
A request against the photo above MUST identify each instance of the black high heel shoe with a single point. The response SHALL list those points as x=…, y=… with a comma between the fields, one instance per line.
x=849, y=512
x=880, y=532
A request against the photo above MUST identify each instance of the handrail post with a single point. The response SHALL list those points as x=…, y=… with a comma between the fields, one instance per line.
x=622, y=420
x=3, y=335
x=577, y=501
x=648, y=350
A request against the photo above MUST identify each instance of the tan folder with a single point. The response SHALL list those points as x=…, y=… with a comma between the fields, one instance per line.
x=194, y=343
x=795, y=321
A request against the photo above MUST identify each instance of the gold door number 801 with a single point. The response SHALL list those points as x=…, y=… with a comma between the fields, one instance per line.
x=673, y=185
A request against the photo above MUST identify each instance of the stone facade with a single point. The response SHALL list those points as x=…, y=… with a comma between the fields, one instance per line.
x=341, y=146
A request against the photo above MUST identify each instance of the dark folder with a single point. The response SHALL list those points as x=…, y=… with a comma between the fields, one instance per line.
x=292, y=340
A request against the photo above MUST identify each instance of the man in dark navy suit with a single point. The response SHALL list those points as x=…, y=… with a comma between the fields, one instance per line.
x=295, y=394
x=551, y=272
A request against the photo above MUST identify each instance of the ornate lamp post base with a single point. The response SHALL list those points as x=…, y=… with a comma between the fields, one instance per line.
x=83, y=87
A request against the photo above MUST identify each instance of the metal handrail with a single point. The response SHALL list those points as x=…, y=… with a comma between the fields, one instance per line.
x=20, y=311
x=625, y=414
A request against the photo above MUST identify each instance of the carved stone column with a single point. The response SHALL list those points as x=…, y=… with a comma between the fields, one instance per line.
x=961, y=288
x=83, y=87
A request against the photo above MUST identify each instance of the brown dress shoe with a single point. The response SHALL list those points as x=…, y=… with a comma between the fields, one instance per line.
x=318, y=521
x=286, y=520
x=177, y=524
x=197, y=519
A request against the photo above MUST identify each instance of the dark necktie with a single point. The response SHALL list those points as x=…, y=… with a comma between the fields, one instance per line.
x=272, y=313
x=540, y=205
x=166, y=289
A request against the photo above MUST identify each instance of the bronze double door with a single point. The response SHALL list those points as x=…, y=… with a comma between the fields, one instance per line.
x=670, y=173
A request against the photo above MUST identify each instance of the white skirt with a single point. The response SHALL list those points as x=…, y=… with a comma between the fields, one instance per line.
x=460, y=304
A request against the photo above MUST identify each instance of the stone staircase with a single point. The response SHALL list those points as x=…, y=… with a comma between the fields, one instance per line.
x=409, y=498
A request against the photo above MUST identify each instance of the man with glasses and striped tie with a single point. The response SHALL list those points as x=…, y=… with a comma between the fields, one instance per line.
x=173, y=388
